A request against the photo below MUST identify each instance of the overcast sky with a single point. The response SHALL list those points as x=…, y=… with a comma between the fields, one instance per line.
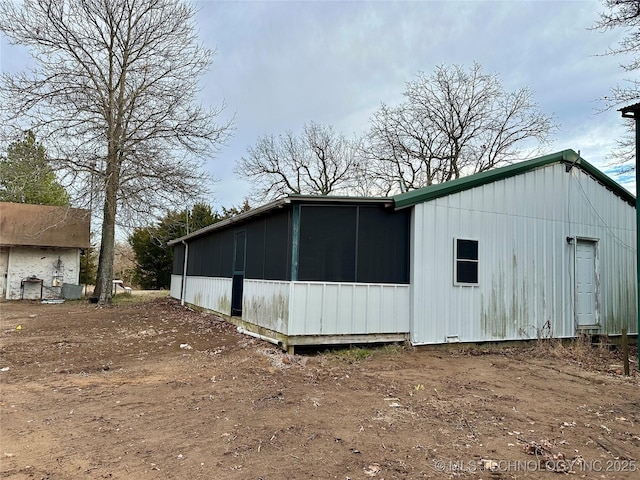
x=281, y=64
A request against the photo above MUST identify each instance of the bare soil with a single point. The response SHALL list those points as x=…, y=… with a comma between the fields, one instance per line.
x=155, y=390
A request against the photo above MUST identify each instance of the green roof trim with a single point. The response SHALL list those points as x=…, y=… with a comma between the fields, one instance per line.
x=432, y=192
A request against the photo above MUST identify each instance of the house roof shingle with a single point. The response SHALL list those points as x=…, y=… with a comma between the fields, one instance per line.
x=43, y=226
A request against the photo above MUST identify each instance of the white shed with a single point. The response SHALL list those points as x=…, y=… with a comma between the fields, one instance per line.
x=544, y=247
x=40, y=249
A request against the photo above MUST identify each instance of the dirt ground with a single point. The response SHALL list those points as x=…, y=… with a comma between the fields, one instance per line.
x=154, y=390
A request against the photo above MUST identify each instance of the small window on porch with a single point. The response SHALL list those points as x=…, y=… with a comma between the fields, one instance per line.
x=466, y=262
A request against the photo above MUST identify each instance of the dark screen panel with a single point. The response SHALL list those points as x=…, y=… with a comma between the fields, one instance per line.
x=198, y=257
x=211, y=255
x=383, y=245
x=268, y=250
x=214, y=244
x=226, y=251
x=201, y=257
x=178, y=259
x=337, y=243
x=277, y=247
x=255, y=249
x=327, y=248
x=239, y=250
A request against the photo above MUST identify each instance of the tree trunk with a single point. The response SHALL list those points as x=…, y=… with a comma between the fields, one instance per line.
x=104, y=280
x=125, y=81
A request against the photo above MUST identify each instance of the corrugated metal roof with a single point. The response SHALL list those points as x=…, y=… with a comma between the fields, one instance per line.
x=280, y=203
x=570, y=157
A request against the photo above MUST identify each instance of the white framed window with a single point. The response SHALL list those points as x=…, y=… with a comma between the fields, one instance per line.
x=465, y=268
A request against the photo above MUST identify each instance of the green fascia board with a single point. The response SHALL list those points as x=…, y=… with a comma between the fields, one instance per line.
x=432, y=192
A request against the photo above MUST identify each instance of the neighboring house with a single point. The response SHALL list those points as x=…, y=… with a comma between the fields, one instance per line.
x=40, y=249
x=540, y=248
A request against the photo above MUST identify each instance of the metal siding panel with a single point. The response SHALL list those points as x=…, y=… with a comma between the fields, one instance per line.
x=298, y=308
x=348, y=308
x=365, y=317
x=612, y=221
x=443, y=267
x=384, y=307
x=266, y=304
x=212, y=293
x=417, y=265
x=430, y=314
x=345, y=309
x=332, y=306
x=314, y=314
x=525, y=264
x=176, y=286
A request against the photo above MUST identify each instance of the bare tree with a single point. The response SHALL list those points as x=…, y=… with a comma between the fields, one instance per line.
x=114, y=92
x=625, y=15
x=124, y=263
x=452, y=123
x=319, y=161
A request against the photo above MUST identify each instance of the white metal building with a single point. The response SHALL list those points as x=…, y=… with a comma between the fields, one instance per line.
x=544, y=247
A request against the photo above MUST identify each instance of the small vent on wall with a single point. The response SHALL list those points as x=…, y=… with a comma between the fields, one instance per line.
x=452, y=339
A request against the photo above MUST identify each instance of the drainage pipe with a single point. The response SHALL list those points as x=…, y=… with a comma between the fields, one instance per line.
x=259, y=336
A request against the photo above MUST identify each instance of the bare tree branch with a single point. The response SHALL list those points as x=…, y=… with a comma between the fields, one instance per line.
x=114, y=93
x=452, y=123
x=319, y=161
x=625, y=15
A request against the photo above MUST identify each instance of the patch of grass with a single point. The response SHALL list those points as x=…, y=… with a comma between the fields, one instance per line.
x=393, y=349
x=357, y=354
x=599, y=355
x=138, y=297
x=576, y=349
x=350, y=354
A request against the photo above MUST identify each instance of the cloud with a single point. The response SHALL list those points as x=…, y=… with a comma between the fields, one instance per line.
x=334, y=62
x=281, y=64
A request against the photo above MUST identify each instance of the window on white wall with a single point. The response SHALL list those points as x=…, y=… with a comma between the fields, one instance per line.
x=466, y=262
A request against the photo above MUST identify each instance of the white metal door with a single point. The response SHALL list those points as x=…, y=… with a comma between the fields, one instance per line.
x=586, y=288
